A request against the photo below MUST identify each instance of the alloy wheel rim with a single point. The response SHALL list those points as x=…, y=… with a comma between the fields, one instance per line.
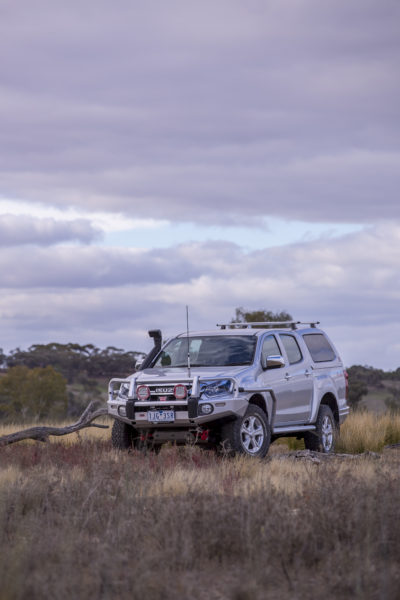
x=327, y=433
x=252, y=434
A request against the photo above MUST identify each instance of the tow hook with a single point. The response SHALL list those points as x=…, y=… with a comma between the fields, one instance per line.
x=204, y=435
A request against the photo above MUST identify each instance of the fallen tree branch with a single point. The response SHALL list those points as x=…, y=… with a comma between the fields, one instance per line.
x=318, y=457
x=42, y=433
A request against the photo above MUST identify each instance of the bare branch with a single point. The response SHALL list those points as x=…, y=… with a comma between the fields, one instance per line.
x=41, y=434
x=318, y=457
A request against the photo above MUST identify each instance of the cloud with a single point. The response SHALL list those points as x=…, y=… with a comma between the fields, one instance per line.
x=22, y=230
x=350, y=284
x=219, y=113
x=362, y=260
x=213, y=112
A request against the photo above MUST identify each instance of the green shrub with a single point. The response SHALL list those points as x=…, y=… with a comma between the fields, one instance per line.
x=32, y=394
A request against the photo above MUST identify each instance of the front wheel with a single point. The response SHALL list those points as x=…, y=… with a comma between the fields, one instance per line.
x=122, y=435
x=249, y=435
x=324, y=437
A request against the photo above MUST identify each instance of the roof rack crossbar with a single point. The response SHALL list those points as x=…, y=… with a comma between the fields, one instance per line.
x=247, y=324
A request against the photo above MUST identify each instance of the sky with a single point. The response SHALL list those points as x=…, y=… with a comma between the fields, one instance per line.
x=215, y=154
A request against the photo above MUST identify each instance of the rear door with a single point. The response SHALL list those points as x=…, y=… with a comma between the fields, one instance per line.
x=294, y=389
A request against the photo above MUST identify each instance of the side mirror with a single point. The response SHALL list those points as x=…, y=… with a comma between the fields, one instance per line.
x=275, y=361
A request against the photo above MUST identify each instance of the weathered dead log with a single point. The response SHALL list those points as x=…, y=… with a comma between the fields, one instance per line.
x=42, y=433
x=318, y=457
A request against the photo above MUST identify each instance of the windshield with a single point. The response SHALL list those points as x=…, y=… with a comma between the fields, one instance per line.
x=208, y=351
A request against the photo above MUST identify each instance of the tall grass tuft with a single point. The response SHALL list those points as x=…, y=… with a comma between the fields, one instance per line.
x=364, y=431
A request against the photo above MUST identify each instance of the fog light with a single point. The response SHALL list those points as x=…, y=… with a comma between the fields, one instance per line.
x=122, y=411
x=143, y=392
x=180, y=391
x=206, y=409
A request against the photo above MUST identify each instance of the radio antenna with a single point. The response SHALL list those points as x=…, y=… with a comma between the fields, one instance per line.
x=188, y=343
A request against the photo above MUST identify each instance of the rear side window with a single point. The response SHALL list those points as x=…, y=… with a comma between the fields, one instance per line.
x=319, y=347
x=292, y=348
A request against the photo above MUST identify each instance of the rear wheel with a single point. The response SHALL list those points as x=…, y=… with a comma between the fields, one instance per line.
x=324, y=437
x=249, y=435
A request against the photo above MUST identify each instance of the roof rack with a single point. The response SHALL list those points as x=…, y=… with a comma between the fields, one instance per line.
x=247, y=325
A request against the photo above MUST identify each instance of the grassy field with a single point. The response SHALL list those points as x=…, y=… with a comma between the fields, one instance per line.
x=362, y=431
x=80, y=520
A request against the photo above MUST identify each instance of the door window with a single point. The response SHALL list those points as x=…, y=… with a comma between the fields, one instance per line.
x=270, y=346
x=292, y=348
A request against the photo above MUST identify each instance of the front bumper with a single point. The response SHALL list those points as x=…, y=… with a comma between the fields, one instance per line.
x=187, y=413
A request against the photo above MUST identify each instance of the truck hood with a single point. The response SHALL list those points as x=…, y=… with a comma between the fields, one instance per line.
x=182, y=373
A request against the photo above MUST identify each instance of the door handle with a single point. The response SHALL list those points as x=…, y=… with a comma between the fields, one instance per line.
x=307, y=373
x=287, y=376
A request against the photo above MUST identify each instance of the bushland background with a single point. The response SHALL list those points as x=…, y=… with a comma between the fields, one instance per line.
x=57, y=381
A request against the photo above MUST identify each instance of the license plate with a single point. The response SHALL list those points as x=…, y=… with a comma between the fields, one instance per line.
x=161, y=416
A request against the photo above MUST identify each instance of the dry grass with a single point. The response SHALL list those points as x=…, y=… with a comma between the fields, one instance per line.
x=364, y=431
x=80, y=519
x=85, y=521
x=360, y=432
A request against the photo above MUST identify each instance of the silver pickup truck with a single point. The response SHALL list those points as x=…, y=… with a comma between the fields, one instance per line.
x=235, y=389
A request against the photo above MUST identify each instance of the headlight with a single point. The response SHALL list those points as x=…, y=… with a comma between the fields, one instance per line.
x=206, y=408
x=123, y=391
x=216, y=386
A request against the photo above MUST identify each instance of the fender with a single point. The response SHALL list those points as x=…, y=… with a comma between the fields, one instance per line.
x=323, y=384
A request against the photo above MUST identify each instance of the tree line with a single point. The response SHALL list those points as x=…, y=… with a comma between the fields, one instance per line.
x=73, y=360
x=37, y=383
x=362, y=377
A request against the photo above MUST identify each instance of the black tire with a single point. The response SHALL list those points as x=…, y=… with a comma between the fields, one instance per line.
x=250, y=435
x=122, y=435
x=324, y=437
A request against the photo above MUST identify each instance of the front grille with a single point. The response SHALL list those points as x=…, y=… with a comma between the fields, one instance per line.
x=166, y=392
x=162, y=396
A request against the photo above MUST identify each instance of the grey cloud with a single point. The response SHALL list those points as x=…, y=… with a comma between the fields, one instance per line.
x=22, y=230
x=66, y=267
x=204, y=112
x=365, y=260
x=351, y=284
